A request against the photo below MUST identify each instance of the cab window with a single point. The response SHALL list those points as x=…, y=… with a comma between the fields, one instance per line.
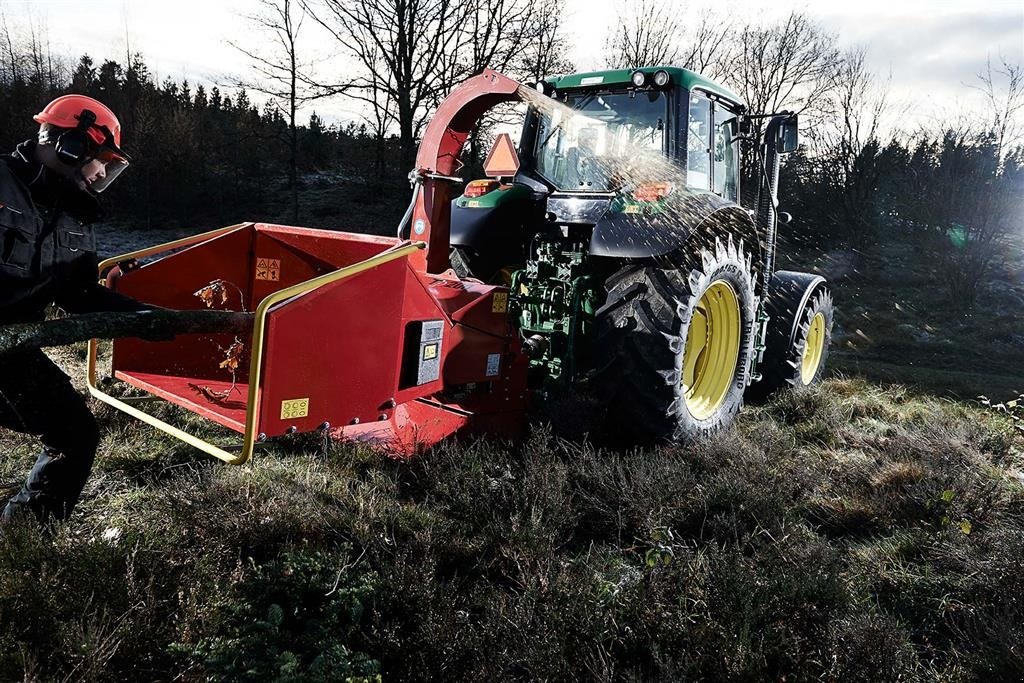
x=698, y=142
x=726, y=156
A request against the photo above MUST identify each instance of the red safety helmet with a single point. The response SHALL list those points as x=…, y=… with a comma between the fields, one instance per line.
x=64, y=111
x=91, y=131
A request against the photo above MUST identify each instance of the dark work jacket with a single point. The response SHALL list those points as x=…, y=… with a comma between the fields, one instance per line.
x=47, y=246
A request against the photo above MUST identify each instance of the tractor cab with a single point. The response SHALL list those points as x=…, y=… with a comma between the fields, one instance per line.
x=611, y=126
x=599, y=150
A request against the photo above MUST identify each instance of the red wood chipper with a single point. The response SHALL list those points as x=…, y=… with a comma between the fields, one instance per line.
x=610, y=252
x=371, y=338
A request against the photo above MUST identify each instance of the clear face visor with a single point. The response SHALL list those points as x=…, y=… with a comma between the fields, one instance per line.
x=101, y=171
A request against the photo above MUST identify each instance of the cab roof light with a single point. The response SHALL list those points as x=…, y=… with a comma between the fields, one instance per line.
x=638, y=79
x=662, y=78
x=545, y=88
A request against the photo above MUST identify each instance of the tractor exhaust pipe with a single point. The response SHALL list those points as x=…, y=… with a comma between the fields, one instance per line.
x=780, y=137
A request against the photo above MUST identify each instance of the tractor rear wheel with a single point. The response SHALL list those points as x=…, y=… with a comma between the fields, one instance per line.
x=678, y=344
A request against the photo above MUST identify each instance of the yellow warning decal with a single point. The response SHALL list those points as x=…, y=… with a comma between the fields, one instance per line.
x=268, y=269
x=430, y=352
x=499, y=303
x=293, y=408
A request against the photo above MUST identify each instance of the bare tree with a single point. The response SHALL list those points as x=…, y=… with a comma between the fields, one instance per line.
x=10, y=63
x=282, y=75
x=13, y=60
x=646, y=33
x=401, y=47
x=706, y=45
x=792, y=64
x=846, y=149
x=1006, y=102
x=655, y=32
x=544, y=52
x=497, y=31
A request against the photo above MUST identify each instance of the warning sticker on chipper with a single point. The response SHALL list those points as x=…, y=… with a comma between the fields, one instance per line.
x=493, y=364
x=499, y=302
x=293, y=408
x=268, y=269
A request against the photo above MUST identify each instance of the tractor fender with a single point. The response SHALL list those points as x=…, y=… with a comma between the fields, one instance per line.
x=788, y=294
x=684, y=217
x=492, y=227
x=485, y=229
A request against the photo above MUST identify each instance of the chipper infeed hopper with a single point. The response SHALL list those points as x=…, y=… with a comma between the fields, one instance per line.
x=349, y=336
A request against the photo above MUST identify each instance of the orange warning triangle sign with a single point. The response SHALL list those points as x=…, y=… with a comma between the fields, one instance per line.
x=502, y=161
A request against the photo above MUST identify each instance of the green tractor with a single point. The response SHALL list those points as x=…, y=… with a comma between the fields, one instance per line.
x=634, y=272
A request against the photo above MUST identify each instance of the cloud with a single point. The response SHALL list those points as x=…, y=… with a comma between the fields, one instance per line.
x=940, y=51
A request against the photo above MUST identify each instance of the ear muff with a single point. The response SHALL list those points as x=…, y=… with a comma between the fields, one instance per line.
x=74, y=144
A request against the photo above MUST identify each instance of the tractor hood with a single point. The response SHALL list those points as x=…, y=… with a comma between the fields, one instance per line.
x=625, y=228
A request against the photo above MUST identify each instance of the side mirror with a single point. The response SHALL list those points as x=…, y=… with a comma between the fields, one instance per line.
x=788, y=137
x=734, y=128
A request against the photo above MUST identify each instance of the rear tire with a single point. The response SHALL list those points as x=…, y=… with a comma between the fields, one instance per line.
x=677, y=344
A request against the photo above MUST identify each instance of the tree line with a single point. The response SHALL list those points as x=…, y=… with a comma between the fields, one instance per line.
x=198, y=155
x=202, y=155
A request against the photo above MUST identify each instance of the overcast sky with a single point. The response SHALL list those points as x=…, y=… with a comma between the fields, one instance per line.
x=933, y=48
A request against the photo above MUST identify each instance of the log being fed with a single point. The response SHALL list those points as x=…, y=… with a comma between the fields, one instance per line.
x=157, y=325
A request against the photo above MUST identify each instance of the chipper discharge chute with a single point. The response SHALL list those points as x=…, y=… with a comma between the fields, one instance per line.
x=610, y=253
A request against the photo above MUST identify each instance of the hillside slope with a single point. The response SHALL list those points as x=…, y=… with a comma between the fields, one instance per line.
x=850, y=532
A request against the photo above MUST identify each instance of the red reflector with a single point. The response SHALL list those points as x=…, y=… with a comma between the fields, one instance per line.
x=651, y=192
x=478, y=188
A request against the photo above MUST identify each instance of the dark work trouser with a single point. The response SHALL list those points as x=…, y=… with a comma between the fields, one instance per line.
x=36, y=397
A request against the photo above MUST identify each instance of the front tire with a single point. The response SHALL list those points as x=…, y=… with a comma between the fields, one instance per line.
x=799, y=335
x=678, y=344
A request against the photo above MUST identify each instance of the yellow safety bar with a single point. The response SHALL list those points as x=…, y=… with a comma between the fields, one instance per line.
x=249, y=436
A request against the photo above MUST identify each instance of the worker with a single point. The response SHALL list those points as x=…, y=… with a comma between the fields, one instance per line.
x=48, y=199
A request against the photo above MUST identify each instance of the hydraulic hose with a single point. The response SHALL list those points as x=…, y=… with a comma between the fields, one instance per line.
x=417, y=182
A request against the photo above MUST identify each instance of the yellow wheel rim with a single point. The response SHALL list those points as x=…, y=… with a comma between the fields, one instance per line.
x=813, y=349
x=712, y=350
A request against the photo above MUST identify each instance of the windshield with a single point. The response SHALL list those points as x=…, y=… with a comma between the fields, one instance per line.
x=590, y=144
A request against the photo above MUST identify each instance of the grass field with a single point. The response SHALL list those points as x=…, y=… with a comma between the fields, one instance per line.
x=850, y=532
x=862, y=530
